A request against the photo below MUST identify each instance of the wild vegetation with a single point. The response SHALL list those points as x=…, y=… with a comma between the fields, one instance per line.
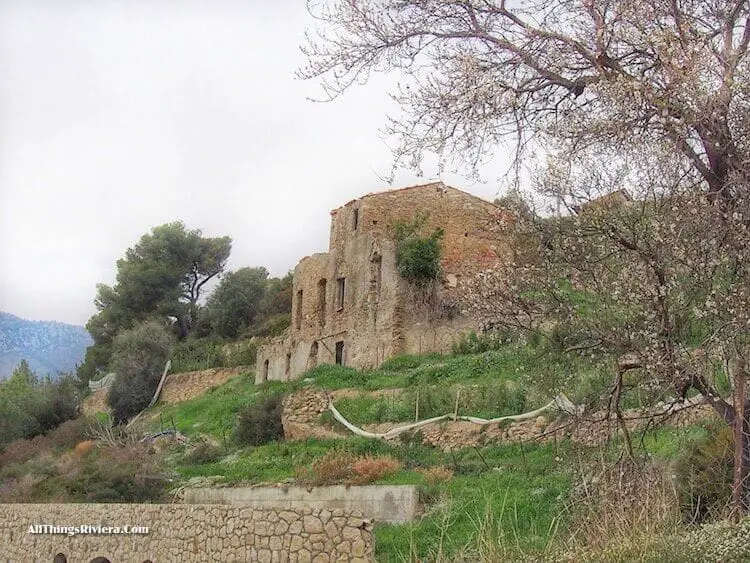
x=30, y=406
x=417, y=253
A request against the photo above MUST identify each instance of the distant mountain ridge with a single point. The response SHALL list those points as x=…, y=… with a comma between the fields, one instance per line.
x=49, y=347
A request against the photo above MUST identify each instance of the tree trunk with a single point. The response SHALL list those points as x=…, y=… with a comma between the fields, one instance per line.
x=740, y=485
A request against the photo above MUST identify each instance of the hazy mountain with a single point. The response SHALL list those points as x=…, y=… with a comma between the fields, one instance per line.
x=49, y=347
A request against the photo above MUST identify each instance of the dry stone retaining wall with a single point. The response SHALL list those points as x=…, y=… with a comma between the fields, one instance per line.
x=301, y=415
x=302, y=410
x=178, y=387
x=186, y=533
x=188, y=385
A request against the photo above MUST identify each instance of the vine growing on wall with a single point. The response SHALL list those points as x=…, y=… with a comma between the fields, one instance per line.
x=417, y=254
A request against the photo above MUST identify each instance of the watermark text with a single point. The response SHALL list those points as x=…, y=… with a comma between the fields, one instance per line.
x=84, y=529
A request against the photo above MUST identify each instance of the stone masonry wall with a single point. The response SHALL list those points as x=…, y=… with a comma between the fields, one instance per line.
x=188, y=385
x=178, y=387
x=302, y=410
x=186, y=533
x=353, y=296
x=301, y=415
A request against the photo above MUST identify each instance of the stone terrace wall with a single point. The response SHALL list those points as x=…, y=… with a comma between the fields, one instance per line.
x=185, y=386
x=96, y=402
x=178, y=387
x=186, y=533
x=301, y=412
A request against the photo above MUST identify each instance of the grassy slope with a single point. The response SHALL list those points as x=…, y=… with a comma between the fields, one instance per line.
x=502, y=498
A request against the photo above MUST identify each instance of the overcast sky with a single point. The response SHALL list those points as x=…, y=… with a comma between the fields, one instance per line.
x=117, y=116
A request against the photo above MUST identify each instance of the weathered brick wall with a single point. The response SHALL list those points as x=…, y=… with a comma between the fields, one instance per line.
x=186, y=533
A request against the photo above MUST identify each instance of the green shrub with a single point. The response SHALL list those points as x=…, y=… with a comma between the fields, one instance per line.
x=417, y=256
x=261, y=423
x=30, y=406
x=473, y=343
x=196, y=355
x=404, y=362
x=704, y=475
x=203, y=452
x=122, y=474
x=240, y=354
x=273, y=325
x=138, y=358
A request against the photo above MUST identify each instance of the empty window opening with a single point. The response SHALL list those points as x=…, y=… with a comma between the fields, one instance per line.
x=355, y=219
x=60, y=558
x=288, y=366
x=264, y=372
x=340, y=293
x=340, y=353
x=312, y=360
x=322, y=300
x=298, y=315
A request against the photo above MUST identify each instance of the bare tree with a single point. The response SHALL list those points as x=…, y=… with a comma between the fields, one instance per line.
x=568, y=73
x=659, y=281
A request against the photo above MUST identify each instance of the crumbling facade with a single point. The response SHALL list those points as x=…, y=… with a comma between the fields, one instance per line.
x=350, y=305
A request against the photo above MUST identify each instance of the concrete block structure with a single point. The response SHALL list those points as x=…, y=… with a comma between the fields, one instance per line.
x=350, y=305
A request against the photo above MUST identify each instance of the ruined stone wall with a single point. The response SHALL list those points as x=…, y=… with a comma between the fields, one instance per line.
x=191, y=532
x=300, y=415
x=471, y=225
x=379, y=316
x=302, y=412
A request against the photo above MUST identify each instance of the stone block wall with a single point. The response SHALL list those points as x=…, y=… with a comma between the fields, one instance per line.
x=188, y=385
x=301, y=415
x=351, y=305
x=178, y=387
x=185, y=533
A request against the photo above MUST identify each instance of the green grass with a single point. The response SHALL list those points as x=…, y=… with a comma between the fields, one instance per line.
x=272, y=462
x=215, y=412
x=522, y=494
x=669, y=443
x=487, y=399
x=507, y=499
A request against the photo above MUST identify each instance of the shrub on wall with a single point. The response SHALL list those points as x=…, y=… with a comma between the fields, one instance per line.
x=418, y=255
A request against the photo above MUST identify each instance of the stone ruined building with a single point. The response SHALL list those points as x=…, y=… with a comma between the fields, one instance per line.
x=350, y=305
